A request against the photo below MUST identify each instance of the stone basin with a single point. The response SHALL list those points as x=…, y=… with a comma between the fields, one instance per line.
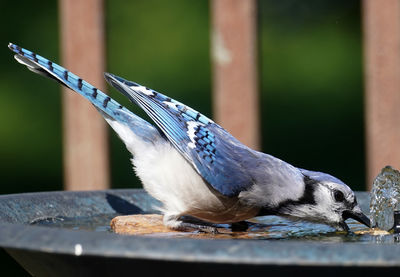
x=67, y=234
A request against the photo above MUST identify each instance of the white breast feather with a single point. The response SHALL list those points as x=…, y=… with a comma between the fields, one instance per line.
x=169, y=177
x=166, y=175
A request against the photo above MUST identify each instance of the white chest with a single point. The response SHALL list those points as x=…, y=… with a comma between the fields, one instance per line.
x=169, y=178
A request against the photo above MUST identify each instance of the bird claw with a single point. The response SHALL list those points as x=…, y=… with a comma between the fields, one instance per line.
x=190, y=227
x=189, y=224
x=239, y=226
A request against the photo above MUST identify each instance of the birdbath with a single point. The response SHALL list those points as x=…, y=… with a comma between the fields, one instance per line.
x=68, y=234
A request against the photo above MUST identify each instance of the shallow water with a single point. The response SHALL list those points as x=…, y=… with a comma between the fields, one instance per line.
x=265, y=228
x=99, y=223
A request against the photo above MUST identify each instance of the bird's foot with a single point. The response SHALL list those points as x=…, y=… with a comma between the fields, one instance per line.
x=240, y=226
x=191, y=227
x=189, y=224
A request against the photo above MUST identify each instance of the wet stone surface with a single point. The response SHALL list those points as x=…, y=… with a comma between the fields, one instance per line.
x=128, y=220
x=264, y=228
x=72, y=231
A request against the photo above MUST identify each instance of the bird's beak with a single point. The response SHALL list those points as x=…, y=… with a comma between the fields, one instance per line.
x=358, y=215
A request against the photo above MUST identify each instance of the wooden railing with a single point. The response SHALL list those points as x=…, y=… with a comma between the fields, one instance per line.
x=382, y=84
x=86, y=162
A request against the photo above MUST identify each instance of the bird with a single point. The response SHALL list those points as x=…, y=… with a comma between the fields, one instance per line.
x=198, y=171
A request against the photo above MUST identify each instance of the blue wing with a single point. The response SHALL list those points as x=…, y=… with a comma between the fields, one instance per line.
x=216, y=155
x=105, y=104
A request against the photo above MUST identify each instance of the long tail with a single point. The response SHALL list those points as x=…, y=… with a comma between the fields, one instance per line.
x=108, y=107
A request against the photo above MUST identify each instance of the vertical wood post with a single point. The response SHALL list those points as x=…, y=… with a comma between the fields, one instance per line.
x=234, y=59
x=85, y=135
x=382, y=84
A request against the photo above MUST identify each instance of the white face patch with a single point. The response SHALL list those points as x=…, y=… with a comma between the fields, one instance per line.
x=191, y=126
x=143, y=89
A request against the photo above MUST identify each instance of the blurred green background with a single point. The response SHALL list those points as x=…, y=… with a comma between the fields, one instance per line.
x=310, y=61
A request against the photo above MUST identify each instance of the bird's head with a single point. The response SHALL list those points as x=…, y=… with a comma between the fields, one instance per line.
x=327, y=200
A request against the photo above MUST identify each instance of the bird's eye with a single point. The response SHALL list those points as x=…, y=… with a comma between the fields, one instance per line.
x=339, y=196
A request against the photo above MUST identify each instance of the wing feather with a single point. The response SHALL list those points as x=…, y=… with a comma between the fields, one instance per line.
x=216, y=155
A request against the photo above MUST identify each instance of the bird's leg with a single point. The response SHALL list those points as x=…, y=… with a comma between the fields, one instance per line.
x=240, y=226
x=188, y=224
x=190, y=227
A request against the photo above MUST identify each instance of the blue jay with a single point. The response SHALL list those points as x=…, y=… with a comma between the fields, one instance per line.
x=196, y=169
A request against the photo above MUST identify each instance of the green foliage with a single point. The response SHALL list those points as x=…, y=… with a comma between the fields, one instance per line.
x=165, y=46
x=311, y=83
x=30, y=108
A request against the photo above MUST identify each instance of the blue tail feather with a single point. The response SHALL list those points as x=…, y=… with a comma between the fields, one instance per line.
x=213, y=152
x=104, y=103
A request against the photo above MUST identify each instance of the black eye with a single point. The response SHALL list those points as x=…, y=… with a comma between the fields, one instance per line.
x=339, y=196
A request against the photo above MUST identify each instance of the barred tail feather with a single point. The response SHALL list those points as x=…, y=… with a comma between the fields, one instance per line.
x=107, y=106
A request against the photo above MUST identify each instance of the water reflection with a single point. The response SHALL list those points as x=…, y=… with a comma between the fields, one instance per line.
x=263, y=228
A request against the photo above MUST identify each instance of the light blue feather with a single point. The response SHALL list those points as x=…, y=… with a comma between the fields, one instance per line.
x=105, y=104
x=224, y=162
